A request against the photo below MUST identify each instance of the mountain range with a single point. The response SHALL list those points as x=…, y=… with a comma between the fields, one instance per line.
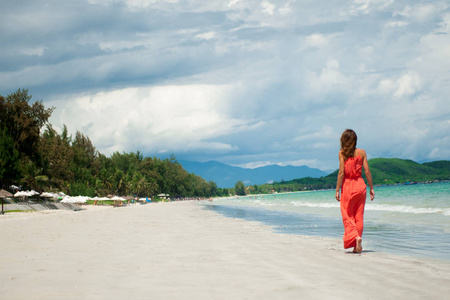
x=226, y=176
x=384, y=171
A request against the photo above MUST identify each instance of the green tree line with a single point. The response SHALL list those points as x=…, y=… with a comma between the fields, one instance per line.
x=384, y=171
x=34, y=155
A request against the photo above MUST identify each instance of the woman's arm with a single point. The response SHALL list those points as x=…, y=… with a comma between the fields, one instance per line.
x=340, y=177
x=368, y=174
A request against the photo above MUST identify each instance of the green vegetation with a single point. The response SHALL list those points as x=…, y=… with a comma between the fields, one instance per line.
x=384, y=171
x=20, y=125
x=48, y=161
x=394, y=170
x=240, y=188
x=18, y=210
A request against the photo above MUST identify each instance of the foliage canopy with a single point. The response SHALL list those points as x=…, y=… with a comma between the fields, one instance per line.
x=52, y=161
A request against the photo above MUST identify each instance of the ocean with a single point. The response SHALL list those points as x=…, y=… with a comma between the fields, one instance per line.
x=410, y=220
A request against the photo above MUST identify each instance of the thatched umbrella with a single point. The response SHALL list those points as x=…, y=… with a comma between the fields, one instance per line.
x=4, y=194
x=129, y=198
x=117, y=198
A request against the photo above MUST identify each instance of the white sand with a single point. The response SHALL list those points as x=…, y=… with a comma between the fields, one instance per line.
x=180, y=251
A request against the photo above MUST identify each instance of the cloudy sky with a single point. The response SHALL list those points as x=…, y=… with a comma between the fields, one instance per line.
x=243, y=82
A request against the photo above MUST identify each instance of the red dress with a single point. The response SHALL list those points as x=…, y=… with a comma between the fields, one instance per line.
x=353, y=200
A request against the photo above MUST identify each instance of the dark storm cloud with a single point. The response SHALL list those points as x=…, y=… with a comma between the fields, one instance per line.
x=243, y=82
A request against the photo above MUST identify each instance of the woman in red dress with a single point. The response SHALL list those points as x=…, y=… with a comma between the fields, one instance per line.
x=353, y=189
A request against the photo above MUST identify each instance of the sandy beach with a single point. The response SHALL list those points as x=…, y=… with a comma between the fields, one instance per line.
x=178, y=250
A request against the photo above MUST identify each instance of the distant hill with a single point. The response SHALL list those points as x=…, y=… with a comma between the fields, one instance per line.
x=226, y=176
x=384, y=171
x=394, y=170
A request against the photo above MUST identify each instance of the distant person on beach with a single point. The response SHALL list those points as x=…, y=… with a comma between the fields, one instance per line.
x=353, y=189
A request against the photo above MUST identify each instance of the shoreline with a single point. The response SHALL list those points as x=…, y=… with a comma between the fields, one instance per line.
x=283, y=226
x=180, y=250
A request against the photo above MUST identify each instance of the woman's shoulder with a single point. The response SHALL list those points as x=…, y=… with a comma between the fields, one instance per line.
x=360, y=152
x=341, y=157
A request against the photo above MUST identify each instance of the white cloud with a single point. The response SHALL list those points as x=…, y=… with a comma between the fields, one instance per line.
x=233, y=2
x=255, y=164
x=408, y=84
x=329, y=79
x=206, y=35
x=313, y=163
x=325, y=133
x=268, y=7
x=315, y=41
x=286, y=9
x=132, y=3
x=386, y=86
x=244, y=82
x=165, y=118
x=435, y=50
x=367, y=6
x=39, y=51
x=445, y=24
x=394, y=24
x=213, y=147
x=420, y=13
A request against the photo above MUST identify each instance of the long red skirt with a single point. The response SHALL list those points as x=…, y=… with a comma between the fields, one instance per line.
x=352, y=211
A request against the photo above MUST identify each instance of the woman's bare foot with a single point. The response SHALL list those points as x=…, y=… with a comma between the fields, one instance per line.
x=358, y=248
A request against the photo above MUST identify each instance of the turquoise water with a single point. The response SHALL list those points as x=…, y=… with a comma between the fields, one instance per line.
x=411, y=220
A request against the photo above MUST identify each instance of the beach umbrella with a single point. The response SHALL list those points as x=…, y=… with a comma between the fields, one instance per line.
x=117, y=198
x=146, y=199
x=20, y=194
x=26, y=194
x=52, y=196
x=23, y=194
x=4, y=194
x=14, y=187
x=96, y=199
x=60, y=195
x=129, y=198
x=77, y=199
x=33, y=193
x=47, y=195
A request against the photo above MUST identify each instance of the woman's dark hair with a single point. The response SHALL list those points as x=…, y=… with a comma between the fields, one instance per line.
x=348, y=143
